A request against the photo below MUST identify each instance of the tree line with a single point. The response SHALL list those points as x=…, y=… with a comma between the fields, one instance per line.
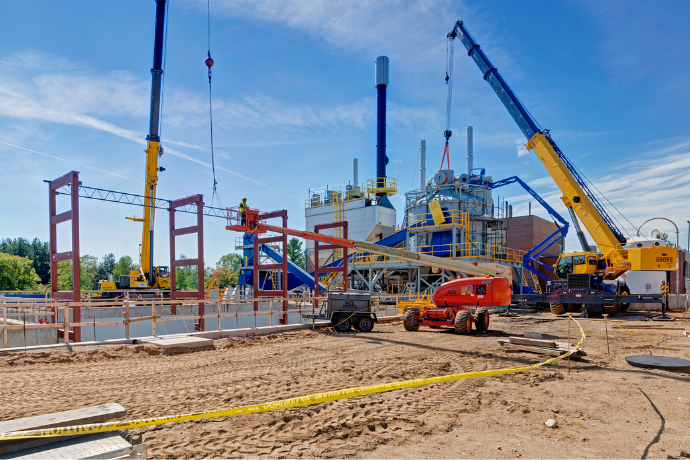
x=25, y=266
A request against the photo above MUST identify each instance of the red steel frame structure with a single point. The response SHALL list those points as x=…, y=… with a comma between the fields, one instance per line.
x=72, y=178
x=319, y=246
x=276, y=266
x=197, y=200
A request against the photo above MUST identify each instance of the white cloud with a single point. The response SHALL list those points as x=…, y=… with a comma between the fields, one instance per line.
x=399, y=28
x=520, y=146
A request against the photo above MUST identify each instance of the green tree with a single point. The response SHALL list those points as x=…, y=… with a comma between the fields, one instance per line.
x=295, y=252
x=228, y=268
x=664, y=237
x=88, y=273
x=88, y=269
x=187, y=278
x=122, y=267
x=17, y=273
x=37, y=251
x=106, y=267
x=64, y=275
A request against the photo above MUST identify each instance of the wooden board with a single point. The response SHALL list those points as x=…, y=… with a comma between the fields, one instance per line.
x=94, y=414
x=513, y=347
x=532, y=342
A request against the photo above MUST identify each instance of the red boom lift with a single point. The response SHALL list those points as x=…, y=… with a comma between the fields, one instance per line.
x=455, y=300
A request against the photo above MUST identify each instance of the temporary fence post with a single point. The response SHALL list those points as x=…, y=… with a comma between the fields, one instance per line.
x=606, y=328
x=218, y=315
x=65, y=337
x=126, y=320
x=4, y=323
x=570, y=316
x=153, y=318
x=270, y=312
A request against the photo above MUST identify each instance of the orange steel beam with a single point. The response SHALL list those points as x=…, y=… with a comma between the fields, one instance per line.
x=310, y=235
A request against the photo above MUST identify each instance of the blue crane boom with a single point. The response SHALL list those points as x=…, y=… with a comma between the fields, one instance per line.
x=528, y=125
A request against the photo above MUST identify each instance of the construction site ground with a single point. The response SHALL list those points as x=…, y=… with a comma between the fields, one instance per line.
x=604, y=407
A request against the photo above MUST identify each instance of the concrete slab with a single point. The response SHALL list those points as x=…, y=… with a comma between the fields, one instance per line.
x=94, y=414
x=101, y=445
x=178, y=342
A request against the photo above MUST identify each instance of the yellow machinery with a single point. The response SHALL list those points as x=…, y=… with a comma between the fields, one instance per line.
x=587, y=269
x=147, y=276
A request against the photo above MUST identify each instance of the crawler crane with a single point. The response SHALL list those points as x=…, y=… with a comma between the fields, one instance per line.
x=589, y=279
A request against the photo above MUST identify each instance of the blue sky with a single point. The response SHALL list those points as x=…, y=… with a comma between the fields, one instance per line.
x=294, y=103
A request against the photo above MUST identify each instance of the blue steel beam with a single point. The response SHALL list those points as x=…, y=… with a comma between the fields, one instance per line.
x=561, y=232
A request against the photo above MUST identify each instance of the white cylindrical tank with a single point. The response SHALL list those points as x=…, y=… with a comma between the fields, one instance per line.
x=381, y=71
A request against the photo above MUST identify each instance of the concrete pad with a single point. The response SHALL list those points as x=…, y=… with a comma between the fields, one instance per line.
x=179, y=342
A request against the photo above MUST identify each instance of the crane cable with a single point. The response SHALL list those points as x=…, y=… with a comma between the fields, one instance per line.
x=449, y=82
x=209, y=64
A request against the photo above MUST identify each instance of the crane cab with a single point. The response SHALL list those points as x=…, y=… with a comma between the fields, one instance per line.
x=577, y=262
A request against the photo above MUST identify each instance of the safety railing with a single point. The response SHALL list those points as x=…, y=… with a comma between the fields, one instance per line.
x=28, y=316
x=453, y=217
x=326, y=196
x=382, y=185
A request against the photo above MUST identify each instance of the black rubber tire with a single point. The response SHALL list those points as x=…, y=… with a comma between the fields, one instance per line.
x=409, y=319
x=341, y=324
x=364, y=324
x=573, y=307
x=623, y=307
x=481, y=320
x=610, y=309
x=463, y=322
x=557, y=308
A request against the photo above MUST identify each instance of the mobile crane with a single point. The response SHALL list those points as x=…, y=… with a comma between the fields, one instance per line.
x=147, y=276
x=588, y=278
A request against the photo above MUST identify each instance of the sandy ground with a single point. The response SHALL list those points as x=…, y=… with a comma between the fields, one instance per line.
x=604, y=408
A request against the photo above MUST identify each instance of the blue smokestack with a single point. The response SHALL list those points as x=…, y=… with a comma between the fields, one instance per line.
x=381, y=85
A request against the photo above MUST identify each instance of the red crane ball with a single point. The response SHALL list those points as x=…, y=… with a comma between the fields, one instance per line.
x=209, y=63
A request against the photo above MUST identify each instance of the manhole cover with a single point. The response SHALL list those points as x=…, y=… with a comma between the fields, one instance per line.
x=659, y=362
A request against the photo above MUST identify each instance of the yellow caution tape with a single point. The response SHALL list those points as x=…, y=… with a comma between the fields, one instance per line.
x=275, y=405
x=615, y=325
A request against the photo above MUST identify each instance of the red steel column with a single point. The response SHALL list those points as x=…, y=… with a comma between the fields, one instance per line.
x=322, y=247
x=72, y=178
x=199, y=261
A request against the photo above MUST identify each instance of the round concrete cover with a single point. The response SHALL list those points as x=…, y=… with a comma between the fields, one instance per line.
x=659, y=362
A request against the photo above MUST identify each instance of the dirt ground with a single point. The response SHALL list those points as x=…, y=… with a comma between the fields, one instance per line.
x=604, y=407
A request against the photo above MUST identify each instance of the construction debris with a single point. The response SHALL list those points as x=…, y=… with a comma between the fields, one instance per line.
x=544, y=347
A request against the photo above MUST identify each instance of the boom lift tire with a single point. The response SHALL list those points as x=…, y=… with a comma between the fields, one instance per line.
x=409, y=319
x=341, y=323
x=557, y=308
x=364, y=325
x=463, y=322
x=481, y=319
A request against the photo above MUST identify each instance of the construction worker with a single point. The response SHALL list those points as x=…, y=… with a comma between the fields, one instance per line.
x=243, y=211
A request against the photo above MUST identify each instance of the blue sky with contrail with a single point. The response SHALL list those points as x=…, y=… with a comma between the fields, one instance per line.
x=294, y=103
